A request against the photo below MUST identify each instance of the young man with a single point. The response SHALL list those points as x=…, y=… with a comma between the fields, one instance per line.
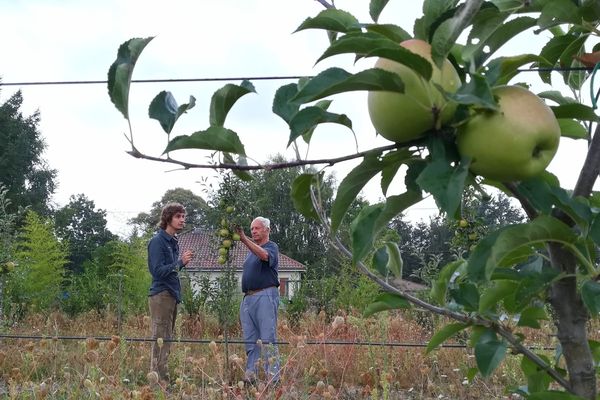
x=164, y=262
x=258, y=310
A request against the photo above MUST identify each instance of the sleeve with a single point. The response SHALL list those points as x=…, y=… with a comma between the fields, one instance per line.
x=273, y=251
x=159, y=262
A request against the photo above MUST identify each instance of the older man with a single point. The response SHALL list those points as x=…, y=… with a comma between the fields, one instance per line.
x=258, y=310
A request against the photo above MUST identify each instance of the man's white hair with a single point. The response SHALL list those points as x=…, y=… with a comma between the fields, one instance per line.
x=264, y=221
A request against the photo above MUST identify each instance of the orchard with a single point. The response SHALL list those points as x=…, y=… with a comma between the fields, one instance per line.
x=458, y=118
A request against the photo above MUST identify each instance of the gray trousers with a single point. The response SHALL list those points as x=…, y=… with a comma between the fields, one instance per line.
x=163, y=311
x=258, y=315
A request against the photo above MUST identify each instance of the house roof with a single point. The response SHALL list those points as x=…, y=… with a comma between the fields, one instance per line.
x=205, y=245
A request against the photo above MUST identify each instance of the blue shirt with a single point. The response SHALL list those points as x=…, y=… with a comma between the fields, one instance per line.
x=259, y=274
x=163, y=264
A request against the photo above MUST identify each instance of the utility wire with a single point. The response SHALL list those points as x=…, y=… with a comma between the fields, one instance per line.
x=254, y=78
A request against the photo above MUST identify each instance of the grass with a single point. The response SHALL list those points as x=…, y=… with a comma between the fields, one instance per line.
x=118, y=369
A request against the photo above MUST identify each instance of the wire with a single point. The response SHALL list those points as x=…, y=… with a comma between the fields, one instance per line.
x=254, y=78
x=240, y=341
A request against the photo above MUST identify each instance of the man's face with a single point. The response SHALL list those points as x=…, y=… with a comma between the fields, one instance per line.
x=260, y=234
x=177, y=222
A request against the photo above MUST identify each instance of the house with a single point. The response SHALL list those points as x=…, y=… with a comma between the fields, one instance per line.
x=205, y=245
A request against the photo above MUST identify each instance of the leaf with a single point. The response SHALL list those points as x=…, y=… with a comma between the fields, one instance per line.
x=214, y=138
x=376, y=7
x=380, y=261
x=573, y=78
x=308, y=118
x=434, y=12
x=590, y=293
x=577, y=111
x=395, y=262
x=502, y=69
x=331, y=20
x=485, y=23
x=514, y=243
x=443, y=334
x=444, y=181
x=386, y=301
x=572, y=129
x=552, y=51
x=530, y=317
x=243, y=175
x=224, y=98
x=476, y=92
x=488, y=354
x=164, y=109
x=557, y=97
x=361, y=231
x=394, y=205
x=393, y=161
x=351, y=186
x=300, y=193
x=282, y=104
x=558, y=12
x=121, y=70
x=439, y=287
x=393, y=32
x=336, y=80
x=466, y=295
x=537, y=379
x=372, y=44
x=492, y=295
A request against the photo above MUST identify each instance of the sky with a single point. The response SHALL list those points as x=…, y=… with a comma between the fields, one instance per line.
x=68, y=40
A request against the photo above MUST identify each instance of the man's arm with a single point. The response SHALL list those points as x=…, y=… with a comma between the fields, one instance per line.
x=160, y=267
x=253, y=247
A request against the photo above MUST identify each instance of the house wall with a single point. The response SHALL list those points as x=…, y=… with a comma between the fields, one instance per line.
x=289, y=280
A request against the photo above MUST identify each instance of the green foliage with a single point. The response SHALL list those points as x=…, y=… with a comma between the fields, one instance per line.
x=226, y=298
x=23, y=171
x=195, y=293
x=41, y=259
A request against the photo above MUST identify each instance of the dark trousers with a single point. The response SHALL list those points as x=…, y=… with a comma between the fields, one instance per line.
x=163, y=311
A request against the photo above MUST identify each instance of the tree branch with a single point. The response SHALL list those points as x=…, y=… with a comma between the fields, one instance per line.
x=529, y=209
x=591, y=167
x=330, y=161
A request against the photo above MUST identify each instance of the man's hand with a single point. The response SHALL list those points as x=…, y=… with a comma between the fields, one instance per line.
x=187, y=256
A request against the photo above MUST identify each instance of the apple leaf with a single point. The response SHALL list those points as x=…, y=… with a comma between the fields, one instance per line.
x=537, y=379
x=514, y=244
x=282, y=104
x=507, y=5
x=243, y=175
x=394, y=205
x=558, y=12
x=300, y=193
x=380, y=261
x=331, y=20
x=476, y=92
x=395, y=263
x=361, y=231
x=552, y=51
x=443, y=180
x=434, y=13
x=224, y=98
x=494, y=294
x=214, y=138
x=557, y=97
x=502, y=69
x=164, y=109
x=572, y=129
x=336, y=80
x=530, y=317
x=485, y=23
x=121, y=70
x=590, y=293
x=466, y=295
x=444, y=334
x=309, y=117
x=393, y=161
x=386, y=301
x=553, y=395
x=577, y=111
x=351, y=186
x=391, y=31
x=439, y=287
x=324, y=105
x=489, y=352
x=376, y=7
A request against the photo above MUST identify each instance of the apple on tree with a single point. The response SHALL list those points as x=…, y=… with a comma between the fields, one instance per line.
x=401, y=117
x=516, y=142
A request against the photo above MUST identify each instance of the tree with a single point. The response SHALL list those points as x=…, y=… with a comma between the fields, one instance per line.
x=195, y=210
x=84, y=229
x=517, y=270
x=36, y=283
x=23, y=171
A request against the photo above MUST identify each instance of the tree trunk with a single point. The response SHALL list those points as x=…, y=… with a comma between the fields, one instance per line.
x=570, y=320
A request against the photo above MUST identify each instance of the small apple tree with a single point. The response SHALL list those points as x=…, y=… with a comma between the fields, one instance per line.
x=524, y=271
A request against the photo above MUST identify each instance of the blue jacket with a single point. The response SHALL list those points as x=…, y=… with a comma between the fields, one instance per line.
x=163, y=264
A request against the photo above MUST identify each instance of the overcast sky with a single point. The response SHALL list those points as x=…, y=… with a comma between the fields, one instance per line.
x=68, y=40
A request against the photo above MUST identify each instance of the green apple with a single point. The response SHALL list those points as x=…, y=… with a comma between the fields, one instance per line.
x=227, y=243
x=230, y=209
x=223, y=251
x=463, y=223
x=222, y=260
x=514, y=143
x=401, y=117
x=235, y=236
x=224, y=232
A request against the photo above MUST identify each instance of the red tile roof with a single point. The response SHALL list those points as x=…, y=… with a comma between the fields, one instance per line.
x=205, y=244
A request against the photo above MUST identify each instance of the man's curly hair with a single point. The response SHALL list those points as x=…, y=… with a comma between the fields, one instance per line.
x=168, y=212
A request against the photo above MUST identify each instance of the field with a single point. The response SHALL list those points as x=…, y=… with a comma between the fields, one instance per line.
x=60, y=366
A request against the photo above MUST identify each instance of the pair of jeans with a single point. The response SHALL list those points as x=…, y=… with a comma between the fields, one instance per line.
x=163, y=312
x=258, y=315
